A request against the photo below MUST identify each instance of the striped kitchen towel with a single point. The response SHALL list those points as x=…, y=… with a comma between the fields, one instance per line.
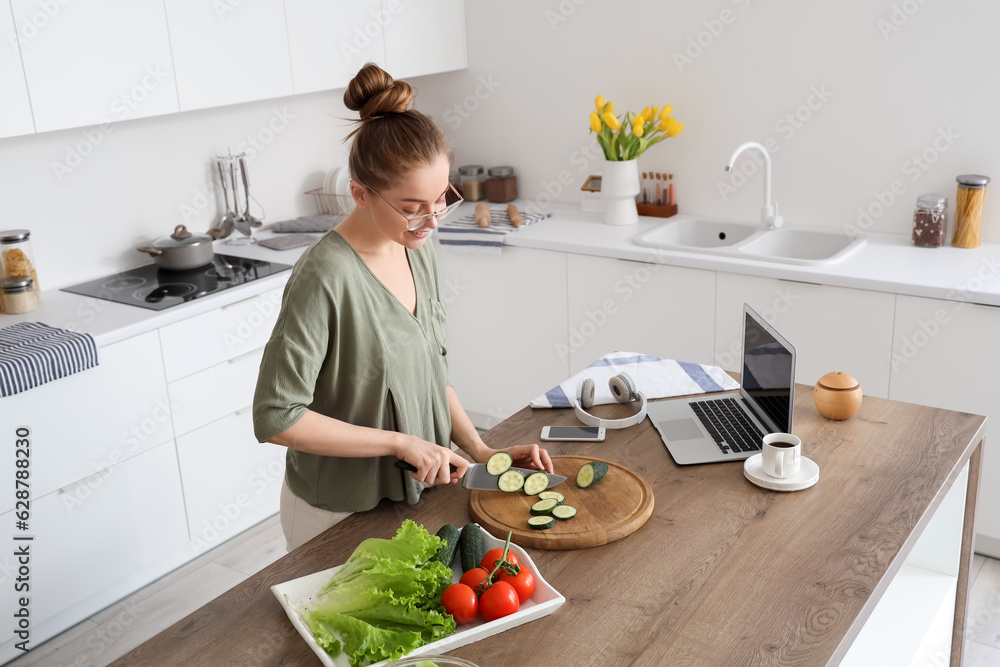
x=464, y=235
x=653, y=376
x=32, y=353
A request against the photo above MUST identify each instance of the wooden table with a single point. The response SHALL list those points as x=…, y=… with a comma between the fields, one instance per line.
x=723, y=573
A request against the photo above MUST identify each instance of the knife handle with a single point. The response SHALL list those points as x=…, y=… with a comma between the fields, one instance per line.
x=403, y=465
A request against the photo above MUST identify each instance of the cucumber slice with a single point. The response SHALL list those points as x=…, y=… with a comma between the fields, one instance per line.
x=563, y=512
x=499, y=463
x=541, y=522
x=510, y=481
x=590, y=473
x=470, y=544
x=559, y=498
x=544, y=506
x=535, y=483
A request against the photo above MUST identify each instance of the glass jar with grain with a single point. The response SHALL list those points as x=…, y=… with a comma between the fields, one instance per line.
x=16, y=257
x=473, y=182
x=501, y=186
x=929, y=220
x=969, y=210
x=17, y=295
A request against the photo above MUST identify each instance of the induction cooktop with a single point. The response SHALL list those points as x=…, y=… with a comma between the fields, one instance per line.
x=154, y=288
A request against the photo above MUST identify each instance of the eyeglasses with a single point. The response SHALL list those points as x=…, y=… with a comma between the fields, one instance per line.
x=415, y=221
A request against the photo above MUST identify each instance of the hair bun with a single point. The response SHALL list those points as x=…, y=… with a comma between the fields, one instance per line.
x=372, y=92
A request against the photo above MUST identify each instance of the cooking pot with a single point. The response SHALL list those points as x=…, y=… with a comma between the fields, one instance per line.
x=182, y=250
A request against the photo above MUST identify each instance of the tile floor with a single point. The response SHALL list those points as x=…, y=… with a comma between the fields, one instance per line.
x=114, y=631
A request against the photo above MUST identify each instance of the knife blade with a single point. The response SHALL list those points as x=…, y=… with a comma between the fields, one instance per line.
x=478, y=478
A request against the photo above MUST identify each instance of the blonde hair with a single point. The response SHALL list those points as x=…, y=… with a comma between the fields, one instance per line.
x=391, y=139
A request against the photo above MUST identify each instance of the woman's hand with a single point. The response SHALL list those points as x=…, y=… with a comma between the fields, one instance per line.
x=528, y=456
x=432, y=461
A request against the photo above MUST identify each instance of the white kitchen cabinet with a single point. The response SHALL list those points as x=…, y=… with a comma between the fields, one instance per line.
x=92, y=420
x=506, y=328
x=424, y=36
x=96, y=62
x=89, y=551
x=831, y=328
x=944, y=355
x=614, y=304
x=228, y=52
x=330, y=40
x=231, y=481
x=205, y=396
x=205, y=340
x=15, y=112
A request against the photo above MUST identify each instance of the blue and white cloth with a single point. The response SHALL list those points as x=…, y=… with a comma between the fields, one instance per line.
x=464, y=235
x=32, y=353
x=653, y=376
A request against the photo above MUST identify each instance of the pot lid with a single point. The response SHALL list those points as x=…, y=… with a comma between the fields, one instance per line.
x=181, y=237
x=838, y=380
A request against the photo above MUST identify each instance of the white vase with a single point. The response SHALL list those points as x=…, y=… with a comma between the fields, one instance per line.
x=619, y=187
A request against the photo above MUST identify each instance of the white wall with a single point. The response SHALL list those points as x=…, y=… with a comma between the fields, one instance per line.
x=145, y=176
x=536, y=66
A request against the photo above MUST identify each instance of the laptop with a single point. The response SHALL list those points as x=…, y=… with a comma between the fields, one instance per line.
x=730, y=428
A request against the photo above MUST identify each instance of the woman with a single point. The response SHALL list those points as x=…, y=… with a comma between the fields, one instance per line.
x=355, y=374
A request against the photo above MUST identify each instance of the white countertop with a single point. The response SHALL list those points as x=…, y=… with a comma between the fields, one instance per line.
x=109, y=322
x=887, y=263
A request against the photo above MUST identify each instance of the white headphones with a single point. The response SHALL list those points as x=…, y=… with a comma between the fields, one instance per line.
x=623, y=389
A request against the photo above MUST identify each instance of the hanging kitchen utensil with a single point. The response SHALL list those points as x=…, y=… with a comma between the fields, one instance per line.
x=254, y=222
x=226, y=224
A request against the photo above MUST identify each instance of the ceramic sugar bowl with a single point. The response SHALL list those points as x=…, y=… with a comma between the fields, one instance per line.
x=837, y=395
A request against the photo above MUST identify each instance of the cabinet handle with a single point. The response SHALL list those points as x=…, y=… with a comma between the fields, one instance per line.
x=800, y=282
x=243, y=410
x=240, y=357
x=86, y=481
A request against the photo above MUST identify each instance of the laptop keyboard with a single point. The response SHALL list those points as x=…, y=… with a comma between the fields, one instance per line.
x=729, y=425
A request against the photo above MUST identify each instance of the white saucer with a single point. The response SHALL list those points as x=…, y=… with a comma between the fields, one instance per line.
x=808, y=475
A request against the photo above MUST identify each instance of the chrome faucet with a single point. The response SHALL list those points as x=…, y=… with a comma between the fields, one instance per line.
x=769, y=218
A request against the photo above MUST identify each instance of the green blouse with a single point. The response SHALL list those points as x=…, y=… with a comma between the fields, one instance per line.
x=345, y=347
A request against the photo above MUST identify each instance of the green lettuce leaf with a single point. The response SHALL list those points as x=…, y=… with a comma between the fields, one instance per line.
x=385, y=601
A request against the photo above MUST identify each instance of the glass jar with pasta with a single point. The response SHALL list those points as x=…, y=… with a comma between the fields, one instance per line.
x=969, y=210
x=16, y=257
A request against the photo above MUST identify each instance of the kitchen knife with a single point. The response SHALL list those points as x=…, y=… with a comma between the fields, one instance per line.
x=477, y=477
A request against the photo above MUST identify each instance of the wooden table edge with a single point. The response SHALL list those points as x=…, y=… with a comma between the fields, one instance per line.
x=972, y=455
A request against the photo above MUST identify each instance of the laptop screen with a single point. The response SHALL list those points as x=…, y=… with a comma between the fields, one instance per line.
x=768, y=371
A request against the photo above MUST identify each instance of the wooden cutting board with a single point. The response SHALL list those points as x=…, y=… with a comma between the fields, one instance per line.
x=608, y=510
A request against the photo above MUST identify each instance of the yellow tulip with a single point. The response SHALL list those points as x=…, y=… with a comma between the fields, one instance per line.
x=646, y=114
x=610, y=108
x=666, y=124
x=595, y=121
x=599, y=103
x=611, y=121
x=674, y=131
x=653, y=113
x=637, y=126
x=665, y=111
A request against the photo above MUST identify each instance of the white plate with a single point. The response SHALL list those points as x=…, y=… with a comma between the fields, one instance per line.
x=808, y=475
x=543, y=602
x=328, y=181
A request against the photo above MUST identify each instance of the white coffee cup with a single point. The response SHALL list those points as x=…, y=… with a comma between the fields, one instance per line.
x=781, y=455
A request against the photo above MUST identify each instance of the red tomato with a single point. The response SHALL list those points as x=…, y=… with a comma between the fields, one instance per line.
x=493, y=555
x=461, y=602
x=474, y=577
x=523, y=583
x=498, y=601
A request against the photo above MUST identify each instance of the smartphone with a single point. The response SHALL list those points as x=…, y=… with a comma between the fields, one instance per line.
x=573, y=433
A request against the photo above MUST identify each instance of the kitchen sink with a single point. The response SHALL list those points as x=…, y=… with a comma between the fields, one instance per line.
x=696, y=233
x=805, y=246
x=793, y=245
